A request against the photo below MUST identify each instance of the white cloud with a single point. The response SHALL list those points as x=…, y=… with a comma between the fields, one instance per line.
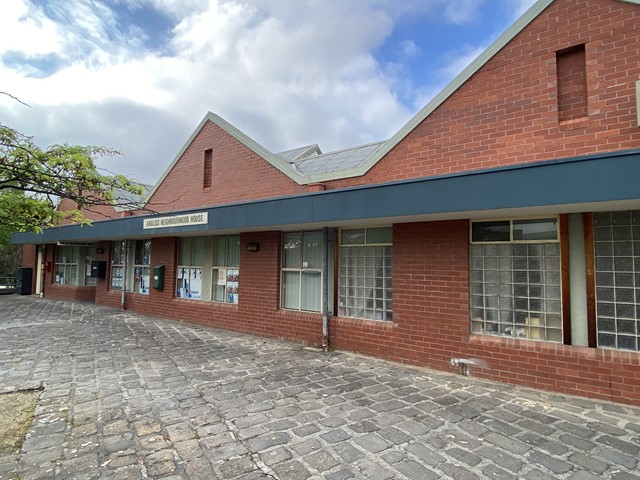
x=409, y=48
x=461, y=11
x=26, y=31
x=286, y=73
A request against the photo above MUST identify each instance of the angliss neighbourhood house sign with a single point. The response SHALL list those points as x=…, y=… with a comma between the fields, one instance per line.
x=177, y=220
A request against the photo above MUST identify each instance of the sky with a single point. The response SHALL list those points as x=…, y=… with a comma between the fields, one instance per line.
x=140, y=75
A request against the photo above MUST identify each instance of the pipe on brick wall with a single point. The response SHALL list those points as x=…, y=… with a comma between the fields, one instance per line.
x=124, y=275
x=325, y=289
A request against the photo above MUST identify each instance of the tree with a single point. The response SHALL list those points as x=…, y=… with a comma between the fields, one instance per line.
x=33, y=181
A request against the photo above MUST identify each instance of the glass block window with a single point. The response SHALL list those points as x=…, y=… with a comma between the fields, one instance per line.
x=617, y=268
x=302, y=271
x=515, y=280
x=365, y=273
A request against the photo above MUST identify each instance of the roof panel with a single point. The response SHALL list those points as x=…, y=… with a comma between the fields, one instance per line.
x=338, y=160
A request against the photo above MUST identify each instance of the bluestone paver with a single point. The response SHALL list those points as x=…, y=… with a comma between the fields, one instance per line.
x=126, y=396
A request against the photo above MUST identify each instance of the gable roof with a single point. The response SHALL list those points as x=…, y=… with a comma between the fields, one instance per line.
x=304, y=165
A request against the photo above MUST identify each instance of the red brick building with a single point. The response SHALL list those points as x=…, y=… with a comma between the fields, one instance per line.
x=497, y=233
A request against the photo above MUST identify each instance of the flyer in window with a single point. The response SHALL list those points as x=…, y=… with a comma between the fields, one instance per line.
x=195, y=284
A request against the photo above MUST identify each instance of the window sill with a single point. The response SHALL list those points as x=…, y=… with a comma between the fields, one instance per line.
x=366, y=323
x=573, y=123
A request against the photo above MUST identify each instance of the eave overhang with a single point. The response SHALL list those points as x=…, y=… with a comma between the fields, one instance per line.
x=586, y=183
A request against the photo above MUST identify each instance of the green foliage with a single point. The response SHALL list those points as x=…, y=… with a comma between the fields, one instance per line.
x=10, y=255
x=33, y=181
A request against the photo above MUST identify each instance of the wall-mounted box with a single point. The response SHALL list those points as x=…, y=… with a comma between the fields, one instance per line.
x=99, y=269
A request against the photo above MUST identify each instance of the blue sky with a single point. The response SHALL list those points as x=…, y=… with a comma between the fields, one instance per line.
x=139, y=75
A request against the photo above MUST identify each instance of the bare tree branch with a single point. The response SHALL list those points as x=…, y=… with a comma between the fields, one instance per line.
x=15, y=98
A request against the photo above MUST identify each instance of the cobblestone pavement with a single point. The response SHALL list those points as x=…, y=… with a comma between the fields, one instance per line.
x=127, y=397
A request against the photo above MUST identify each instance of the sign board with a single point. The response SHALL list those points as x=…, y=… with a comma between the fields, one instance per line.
x=185, y=220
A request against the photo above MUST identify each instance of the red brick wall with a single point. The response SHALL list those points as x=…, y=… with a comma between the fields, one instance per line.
x=571, y=69
x=431, y=320
x=68, y=292
x=258, y=310
x=431, y=326
x=238, y=174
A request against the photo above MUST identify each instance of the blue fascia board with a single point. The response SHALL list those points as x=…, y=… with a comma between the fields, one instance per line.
x=590, y=179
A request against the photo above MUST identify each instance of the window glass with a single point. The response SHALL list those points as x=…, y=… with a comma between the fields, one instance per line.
x=379, y=235
x=233, y=250
x=141, y=267
x=225, y=274
x=490, y=231
x=352, y=236
x=184, y=255
x=66, y=268
x=220, y=251
x=312, y=252
x=546, y=229
x=291, y=290
x=118, y=251
x=199, y=245
x=302, y=271
x=117, y=255
x=292, y=250
x=311, y=289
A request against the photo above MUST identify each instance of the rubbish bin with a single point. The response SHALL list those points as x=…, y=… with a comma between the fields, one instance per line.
x=25, y=279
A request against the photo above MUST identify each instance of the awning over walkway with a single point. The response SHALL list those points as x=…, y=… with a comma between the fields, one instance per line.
x=588, y=183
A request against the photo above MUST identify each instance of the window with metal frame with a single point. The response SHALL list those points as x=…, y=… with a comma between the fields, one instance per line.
x=365, y=282
x=515, y=278
x=302, y=271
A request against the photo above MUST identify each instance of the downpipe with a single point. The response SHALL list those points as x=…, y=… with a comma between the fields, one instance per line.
x=325, y=289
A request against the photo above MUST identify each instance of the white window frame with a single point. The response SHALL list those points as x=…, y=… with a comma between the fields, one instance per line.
x=301, y=270
x=230, y=272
